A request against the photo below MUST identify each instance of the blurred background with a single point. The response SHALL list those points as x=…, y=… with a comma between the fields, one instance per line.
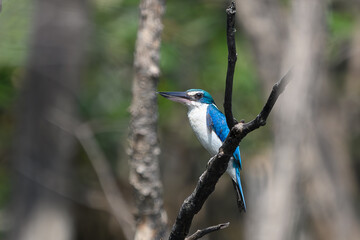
x=77, y=57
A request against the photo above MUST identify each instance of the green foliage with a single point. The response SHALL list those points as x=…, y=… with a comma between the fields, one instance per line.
x=107, y=89
x=341, y=28
x=7, y=98
x=341, y=25
x=15, y=19
x=7, y=90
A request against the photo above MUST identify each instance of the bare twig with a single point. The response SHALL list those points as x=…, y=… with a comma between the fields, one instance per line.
x=218, y=165
x=232, y=57
x=200, y=233
x=278, y=88
x=86, y=198
x=84, y=134
x=114, y=197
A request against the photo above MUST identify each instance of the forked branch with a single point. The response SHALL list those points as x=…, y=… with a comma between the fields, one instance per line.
x=219, y=162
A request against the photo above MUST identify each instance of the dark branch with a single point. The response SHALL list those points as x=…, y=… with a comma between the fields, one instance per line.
x=200, y=233
x=218, y=165
x=278, y=88
x=232, y=57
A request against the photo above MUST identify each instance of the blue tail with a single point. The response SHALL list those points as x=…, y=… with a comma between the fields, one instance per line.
x=239, y=192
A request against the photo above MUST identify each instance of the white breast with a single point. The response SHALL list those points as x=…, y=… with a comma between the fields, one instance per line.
x=210, y=141
x=197, y=119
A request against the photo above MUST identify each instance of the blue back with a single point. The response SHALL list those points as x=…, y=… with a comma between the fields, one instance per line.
x=216, y=121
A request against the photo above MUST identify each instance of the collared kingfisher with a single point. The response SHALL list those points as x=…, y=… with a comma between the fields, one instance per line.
x=210, y=127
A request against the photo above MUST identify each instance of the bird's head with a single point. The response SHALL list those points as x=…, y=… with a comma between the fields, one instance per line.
x=191, y=97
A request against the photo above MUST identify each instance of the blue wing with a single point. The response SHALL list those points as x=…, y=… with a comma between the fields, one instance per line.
x=216, y=121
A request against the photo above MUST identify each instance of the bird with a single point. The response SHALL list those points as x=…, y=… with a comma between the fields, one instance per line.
x=210, y=127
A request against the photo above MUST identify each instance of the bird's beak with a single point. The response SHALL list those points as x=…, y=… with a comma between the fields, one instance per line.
x=180, y=97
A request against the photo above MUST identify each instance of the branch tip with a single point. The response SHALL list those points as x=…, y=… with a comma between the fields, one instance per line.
x=232, y=58
x=200, y=233
x=231, y=10
x=224, y=225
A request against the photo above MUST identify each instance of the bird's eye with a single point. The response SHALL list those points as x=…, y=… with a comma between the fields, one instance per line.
x=198, y=95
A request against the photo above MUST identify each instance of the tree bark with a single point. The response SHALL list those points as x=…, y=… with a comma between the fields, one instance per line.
x=43, y=151
x=144, y=148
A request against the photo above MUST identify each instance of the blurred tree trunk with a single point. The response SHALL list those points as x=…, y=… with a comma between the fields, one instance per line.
x=43, y=150
x=308, y=191
x=280, y=203
x=144, y=148
x=264, y=23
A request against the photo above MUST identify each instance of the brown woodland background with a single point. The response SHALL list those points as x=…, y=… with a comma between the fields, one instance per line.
x=71, y=116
